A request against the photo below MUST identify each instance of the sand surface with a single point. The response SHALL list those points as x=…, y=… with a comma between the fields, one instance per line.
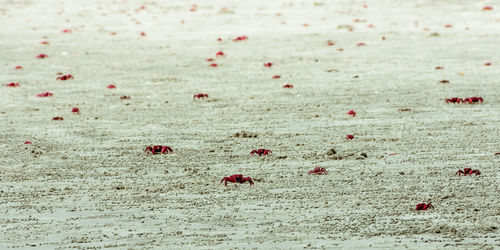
x=86, y=182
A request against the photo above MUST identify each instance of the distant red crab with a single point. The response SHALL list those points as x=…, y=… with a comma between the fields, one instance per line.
x=27, y=142
x=468, y=171
x=57, y=118
x=276, y=76
x=12, y=84
x=214, y=65
x=200, y=95
x=351, y=112
x=219, y=53
x=330, y=43
x=423, y=206
x=261, y=151
x=349, y=137
x=487, y=64
x=240, y=38
x=18, y=67
x=474, y=99
x=236, y=178
x=361, y=44
x=487, y=8
x=318, y=170
x=289, y=86
x=269, y=64
x=111, y=86
x=75, y=110
x=158, y=149
x=42, y=56
x=44, y=94
x=439, y=67
x=65, y=77
x=454, y=100
x=210, y=60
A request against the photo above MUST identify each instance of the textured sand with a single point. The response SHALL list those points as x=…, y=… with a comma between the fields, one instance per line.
x=86, y=182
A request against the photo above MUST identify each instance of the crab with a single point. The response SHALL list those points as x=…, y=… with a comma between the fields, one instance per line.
x=75, y=110
x=214, y=65
x=65, y=77
x=219, y=53
x=42, y=56
x=351, y=112
x=12, y=84
x=276, y=77
x=200, y=95
x=423, y=206
x=269, y=64
x=18, y=67
x=157, y=149
x=349, y=137
x=261, y=151
x=44, y=94
x=468, y=171
x=455, y=100
x=111, y=86
x=288, y=86
x=318, y=170
x=240, y=38
x=236, y=178
x=57, y=118
x=474, y=99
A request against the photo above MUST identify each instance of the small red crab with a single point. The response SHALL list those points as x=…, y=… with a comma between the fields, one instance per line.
x=454, y=100
x=349, y=137
x=200, y=95
x=240, y=38
x=42, y=56
x=27, y=142
x=423, y=206
x=75, y=110
x=261, y=151
x=289, y=86
x=330, y=43
x=44, y=94
x=318, y=170
x=487, y=64
x=44, y=42
x=487, y=8
x=276, y=76
x=57, y=118
x=210, y=60
x=18, y=67
x=236, y=178
x=474, y=99
x=468, y=171
x=219, y=53
x=158, y=149
x=214, y=65
x=66, y=31
x=351, y=112
x=65, y=77
x=439, y=67
x=12, y=84
x=269, y=64
x=361, y=44
x=111, y=86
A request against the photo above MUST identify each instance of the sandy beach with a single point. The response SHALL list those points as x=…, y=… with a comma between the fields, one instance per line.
x=86, y=182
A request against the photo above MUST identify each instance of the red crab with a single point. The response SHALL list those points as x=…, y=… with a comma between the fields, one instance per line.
x=200, y=95
x=468, y=171
x=487, y=8
x=276, y=76
x=18, y=67
x=351, y=112
x=330, y=43
x=219, y=39
x=439, y=67
x=261, y=151
x=454, y=100
x=12, y=84
x=65, y=77
x=143, y=34
x=44, y=42
x=269, y=64
x=75, y=110
x=57, y=118
x=349, y=137
x=474, y=99
x=318, y=170
x=240, y=38
x=158, y=149
x=289, y=86
x=487, y=64
x=214, y=65
x=66, y=31
x=42, y=56
x=27, y=142
x=219, y=53
x=448, y=26
x=423, y=206
x=236, y=178
x=361, y=44
x=44, y=94
x=111, y=86
x=210, y=60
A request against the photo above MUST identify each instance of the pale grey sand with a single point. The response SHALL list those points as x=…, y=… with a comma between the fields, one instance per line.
x=86, y=182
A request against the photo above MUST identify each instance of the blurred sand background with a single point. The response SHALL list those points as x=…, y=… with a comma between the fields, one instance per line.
x=85, y=182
